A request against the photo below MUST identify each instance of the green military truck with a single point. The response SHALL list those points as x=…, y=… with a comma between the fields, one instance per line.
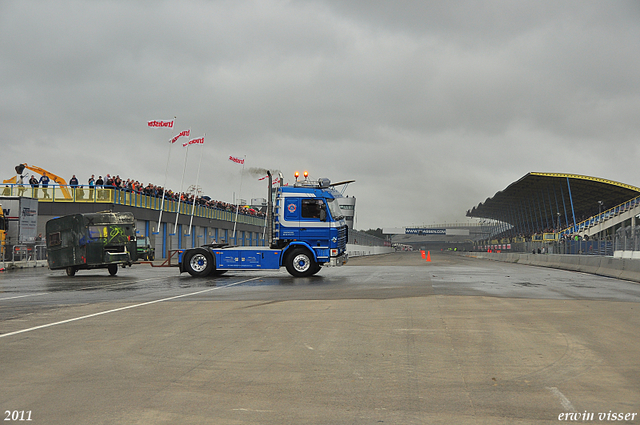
x=145, y=251
x=91, y=241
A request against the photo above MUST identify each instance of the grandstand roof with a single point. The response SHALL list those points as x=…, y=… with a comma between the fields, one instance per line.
x=536, y=199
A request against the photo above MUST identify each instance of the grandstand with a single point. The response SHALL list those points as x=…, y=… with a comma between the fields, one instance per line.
x=553, y=208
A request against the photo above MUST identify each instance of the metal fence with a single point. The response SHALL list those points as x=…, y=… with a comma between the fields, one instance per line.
x=26, y=253
x=604, y=247
x=86, y=194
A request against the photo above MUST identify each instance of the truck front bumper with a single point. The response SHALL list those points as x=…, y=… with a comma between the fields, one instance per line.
x=340, y=260
x=116, y=257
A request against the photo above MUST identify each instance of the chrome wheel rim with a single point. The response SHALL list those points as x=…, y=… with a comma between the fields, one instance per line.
x=198, y=263
x=301, y=263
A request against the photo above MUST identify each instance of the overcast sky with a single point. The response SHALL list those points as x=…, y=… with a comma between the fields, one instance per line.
x=431, y=106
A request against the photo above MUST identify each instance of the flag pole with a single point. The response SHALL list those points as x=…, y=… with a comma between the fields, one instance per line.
x=193, y=207
x=175, y=226
x=164, y=188
x=235, y=222
x=264, y=229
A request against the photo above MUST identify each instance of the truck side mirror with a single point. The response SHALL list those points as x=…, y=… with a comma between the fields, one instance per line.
x=323, y=213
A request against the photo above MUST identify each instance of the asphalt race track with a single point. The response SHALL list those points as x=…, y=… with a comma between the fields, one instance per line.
x=387, y=339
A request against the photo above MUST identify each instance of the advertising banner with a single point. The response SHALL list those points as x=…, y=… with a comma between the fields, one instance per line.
x=28, y=220
x=422, y=231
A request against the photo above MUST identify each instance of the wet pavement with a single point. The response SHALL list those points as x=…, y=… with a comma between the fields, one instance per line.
x=385, y=339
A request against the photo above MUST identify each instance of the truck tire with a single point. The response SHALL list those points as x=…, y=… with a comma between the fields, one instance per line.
x=113, y=269
x=71, y=271
x=316, y=269
x=198, y=262
x=300, y=263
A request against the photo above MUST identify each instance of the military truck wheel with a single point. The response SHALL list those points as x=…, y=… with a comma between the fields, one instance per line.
x=71, y=271
x=113, y=269
x=300, y=263
x=198, y=262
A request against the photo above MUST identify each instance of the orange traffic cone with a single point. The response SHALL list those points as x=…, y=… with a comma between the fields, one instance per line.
x=422, y=252
x=428, y=256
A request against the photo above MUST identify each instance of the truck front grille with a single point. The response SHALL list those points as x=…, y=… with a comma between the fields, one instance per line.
x=343, y=238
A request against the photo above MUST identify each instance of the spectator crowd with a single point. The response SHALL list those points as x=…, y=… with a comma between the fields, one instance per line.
x=135, y=187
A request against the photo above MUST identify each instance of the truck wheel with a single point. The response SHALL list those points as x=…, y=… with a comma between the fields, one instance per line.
x=113, y=269
x=71, y=271
x=198, y=262
x=300, y=263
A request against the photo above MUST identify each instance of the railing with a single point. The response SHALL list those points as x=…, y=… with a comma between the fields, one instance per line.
x=603, y=216
x=562, y=246
x=28, y=252
x=86, y=194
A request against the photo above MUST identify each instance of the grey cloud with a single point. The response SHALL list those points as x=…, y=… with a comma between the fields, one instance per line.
x=430, y=106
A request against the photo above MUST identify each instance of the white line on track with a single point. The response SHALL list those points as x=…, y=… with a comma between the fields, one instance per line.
x=23, y=296
x=84, y=288
x=563, y=400
x=126, y=308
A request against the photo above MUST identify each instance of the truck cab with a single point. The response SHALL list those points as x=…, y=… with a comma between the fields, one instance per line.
x=310, y=216
x=306, y=231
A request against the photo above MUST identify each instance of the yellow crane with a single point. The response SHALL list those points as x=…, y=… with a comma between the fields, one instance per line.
x=56, y=179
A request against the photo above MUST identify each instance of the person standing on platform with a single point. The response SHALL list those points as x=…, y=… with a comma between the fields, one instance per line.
x=44, y=181
x=34, y=185
x=92, y=183
x=73, y=184
x=99, y=184
x=21, y=187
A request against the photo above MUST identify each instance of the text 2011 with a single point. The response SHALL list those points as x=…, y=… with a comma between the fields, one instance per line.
x=17, y=415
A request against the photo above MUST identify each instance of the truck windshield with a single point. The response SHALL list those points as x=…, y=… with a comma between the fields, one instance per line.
x=334, y=208
x=110, y=233
x=99, y=231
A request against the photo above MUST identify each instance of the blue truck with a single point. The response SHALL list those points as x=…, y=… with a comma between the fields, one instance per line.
x=305, y=230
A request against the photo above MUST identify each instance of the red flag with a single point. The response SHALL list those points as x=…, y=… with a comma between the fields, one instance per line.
x=184, y=133
x=160, y=124
x=194, y=141
x=236, y=160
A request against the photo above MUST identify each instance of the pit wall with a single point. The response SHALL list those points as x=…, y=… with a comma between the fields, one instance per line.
x=360, y=250
x=620, y=268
